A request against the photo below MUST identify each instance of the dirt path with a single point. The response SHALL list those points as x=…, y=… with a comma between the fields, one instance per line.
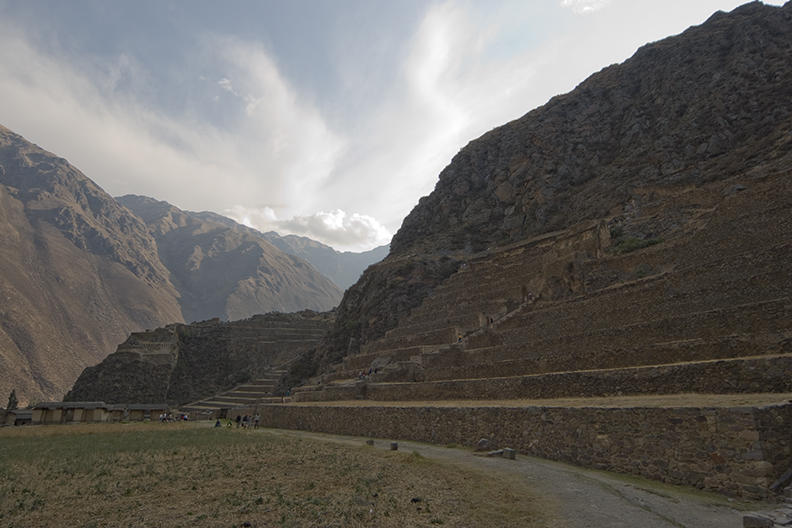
x=584, y=498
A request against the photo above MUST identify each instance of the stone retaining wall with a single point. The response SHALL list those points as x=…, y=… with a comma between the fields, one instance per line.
x=738, y=451
x=757, y=375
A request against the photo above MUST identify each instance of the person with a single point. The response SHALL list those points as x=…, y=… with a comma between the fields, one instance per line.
x=217, y=423
x=238, y=421
x=245, y=421
x=256, y=420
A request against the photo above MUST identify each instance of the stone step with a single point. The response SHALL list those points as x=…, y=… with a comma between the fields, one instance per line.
x=768, y=316
x=722, y=376
x=247, y=394
x=260, y=387
x=209, y=404
x=489, y=362
x=363, y=361
x=761, y=274
x=440, y=336
x=229, y=401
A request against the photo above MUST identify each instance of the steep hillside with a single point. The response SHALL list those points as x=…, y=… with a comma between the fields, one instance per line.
x=344, y=268
x=78, y=272
x=223, y=269
x=709, y=105
x=181, y=363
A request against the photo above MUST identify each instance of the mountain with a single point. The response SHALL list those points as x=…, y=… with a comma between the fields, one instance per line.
x=713, y=104
x=344, y=268
x=226, y=270
x=78, y=272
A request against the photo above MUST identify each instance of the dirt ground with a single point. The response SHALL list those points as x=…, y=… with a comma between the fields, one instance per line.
x=580, y=498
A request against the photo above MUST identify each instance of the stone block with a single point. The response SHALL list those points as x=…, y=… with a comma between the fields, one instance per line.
x=753, y=520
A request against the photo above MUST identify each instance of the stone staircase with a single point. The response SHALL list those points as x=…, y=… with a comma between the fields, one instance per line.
x=245, y=395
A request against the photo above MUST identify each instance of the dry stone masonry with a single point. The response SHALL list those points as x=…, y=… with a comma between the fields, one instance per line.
x=184, y=363
x=604, y=281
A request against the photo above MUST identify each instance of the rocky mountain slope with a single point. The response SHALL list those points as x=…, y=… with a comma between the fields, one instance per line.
x=343, y=267
x=77, y=272
x=223, y=269
x=708, y=105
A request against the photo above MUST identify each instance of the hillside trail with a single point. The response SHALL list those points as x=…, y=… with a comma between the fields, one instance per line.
x=578, y=497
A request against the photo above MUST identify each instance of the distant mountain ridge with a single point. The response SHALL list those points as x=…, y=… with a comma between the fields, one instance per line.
x=79, y=271
x=223, y=269
x=344, y=268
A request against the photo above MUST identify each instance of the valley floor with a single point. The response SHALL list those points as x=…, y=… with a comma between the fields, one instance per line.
x=193, y=474
x=153, y=474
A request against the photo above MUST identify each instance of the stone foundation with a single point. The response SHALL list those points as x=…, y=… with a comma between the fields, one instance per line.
x=734, y=450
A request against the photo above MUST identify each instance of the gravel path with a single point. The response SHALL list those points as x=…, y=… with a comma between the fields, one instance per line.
x=583, y=498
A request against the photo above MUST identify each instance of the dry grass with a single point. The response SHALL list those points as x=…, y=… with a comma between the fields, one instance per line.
x=148, y=475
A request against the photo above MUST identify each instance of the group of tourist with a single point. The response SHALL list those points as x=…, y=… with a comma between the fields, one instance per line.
x=248, y=421
x=168, y=417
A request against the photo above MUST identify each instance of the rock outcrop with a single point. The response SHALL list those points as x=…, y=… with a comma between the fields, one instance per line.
x=180, y=363
x=711, y=104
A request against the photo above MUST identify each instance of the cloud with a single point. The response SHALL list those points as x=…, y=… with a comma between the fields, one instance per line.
x=359, y=145
x=336, y=228
x=585, y=6
x=271, y=147
x=451, y=88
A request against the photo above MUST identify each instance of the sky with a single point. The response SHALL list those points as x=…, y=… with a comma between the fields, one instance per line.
x=322, y=118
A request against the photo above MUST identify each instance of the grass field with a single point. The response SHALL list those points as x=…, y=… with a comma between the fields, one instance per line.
x=151, y=475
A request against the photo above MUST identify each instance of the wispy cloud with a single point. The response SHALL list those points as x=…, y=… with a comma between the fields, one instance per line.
x=252, y=141
x=274, y=152
x=585, y=6
x=337, y=228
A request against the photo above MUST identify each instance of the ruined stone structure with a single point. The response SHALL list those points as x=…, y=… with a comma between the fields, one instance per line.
x=622, y=294
x=184, y=363
x=568, y=315
x=247, y=395
x=48, y=413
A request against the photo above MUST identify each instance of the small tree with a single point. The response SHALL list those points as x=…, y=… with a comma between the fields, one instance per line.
x=12, y=401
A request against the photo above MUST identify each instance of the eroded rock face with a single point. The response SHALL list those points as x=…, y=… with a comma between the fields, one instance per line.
x=710, y=104
x=77, y=272
x=181, y=363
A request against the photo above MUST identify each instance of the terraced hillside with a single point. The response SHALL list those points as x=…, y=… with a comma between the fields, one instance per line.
x=617, y=285
x=246, y=395
x=184, y=363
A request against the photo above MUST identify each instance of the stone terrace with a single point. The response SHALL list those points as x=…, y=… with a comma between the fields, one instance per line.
x=705, y=313
x=248, y=394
